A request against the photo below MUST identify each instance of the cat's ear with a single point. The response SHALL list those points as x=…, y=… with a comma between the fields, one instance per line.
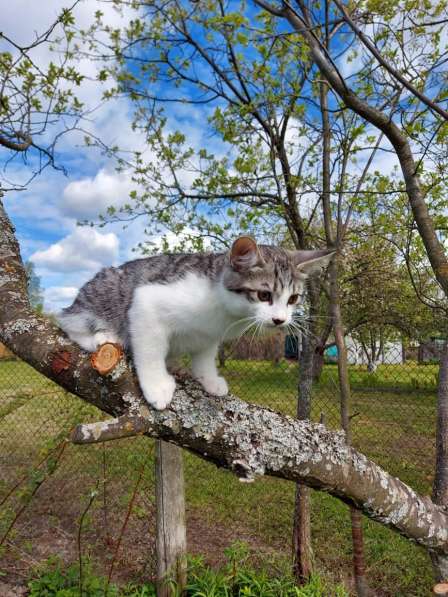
x=310, y=262
x=244, y=254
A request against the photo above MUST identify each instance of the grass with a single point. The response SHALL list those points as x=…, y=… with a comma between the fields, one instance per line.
x=238, y=577
x=394, y=424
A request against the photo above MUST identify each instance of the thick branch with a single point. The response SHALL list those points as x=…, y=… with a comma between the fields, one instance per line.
x=242, y=437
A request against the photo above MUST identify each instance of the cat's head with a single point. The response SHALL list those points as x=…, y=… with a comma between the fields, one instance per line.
x=266, y=282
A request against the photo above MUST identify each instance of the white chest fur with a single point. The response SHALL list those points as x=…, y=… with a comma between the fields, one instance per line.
x=184, y=316
x=190, y=310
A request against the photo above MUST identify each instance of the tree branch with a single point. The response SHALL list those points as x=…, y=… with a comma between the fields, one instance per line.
x=393, y=71
x=242, y=437
x=5, y=141
x=400, y=142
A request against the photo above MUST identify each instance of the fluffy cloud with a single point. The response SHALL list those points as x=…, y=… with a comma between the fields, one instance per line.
x=90, y=196
x=85, y=249
x=57, y=297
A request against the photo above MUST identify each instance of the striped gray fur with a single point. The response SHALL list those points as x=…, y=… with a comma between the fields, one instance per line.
x=108, y=295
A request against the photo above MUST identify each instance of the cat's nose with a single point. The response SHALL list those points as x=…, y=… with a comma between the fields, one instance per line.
x=278, y=321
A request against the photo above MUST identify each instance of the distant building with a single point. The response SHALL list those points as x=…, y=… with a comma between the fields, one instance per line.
x=392, y=353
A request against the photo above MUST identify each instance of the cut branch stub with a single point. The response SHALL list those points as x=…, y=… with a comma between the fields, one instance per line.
x=440, y=588
x=106, y=357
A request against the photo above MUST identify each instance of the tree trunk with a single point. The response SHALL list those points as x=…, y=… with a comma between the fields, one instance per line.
x=302, y=564
x=319, y=353
x=222, y=357
x=171, y=536
x=318, y=363
x=301, y=536
x=345, y=393
x=372, y=366
x=440, y=487
x=338, y=329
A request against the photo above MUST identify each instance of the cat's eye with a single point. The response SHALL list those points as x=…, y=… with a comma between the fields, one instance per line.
x=265, y=296
x=293, y=299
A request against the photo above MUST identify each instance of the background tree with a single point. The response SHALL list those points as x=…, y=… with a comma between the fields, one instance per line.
x=358, y=96
x=379, y=302
x=37, y=99
x=35, y=292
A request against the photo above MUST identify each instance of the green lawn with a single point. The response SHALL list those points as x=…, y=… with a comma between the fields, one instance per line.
x=393, y=424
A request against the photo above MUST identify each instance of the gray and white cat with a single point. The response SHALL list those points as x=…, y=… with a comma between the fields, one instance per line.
x=168, y=305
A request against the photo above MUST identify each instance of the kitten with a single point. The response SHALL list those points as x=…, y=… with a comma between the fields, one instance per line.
x=188, y=303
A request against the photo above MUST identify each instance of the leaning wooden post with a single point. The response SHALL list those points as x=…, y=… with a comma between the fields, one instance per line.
x=171, y=539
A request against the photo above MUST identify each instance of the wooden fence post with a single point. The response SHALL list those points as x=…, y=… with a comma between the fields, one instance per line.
x=171, y=540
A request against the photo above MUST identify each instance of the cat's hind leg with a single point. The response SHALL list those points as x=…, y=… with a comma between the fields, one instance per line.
x=205, y=371
x=105, y=337
x=77, y=327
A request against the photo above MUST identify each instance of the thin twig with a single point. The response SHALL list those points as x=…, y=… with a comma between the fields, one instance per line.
x=126, y=520
x=33, y=493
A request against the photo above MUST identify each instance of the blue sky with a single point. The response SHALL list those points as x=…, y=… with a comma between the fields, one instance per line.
x=46, y=213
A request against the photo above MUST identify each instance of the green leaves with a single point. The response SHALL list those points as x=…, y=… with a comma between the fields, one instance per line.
x=35, y=90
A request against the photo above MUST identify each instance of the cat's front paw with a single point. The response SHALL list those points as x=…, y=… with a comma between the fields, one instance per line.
x=215, y=385
x=159, y=395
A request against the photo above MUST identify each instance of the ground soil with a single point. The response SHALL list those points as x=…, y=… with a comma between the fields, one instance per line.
x=50, y=527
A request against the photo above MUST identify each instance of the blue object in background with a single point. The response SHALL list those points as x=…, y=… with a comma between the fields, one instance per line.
x=332, y=352
x=291, y=347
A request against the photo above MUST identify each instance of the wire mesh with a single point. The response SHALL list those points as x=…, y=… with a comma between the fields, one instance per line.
x=43, y=491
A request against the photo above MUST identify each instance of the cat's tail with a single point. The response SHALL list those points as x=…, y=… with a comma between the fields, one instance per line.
x=85, y=328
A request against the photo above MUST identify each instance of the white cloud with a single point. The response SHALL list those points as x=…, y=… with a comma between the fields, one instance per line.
x=61, y=292
x=83, y=249
x=57, y=297
x=173, y=240
x=90, y=196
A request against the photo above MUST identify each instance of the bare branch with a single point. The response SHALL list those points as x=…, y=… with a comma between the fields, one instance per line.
x=5, y=141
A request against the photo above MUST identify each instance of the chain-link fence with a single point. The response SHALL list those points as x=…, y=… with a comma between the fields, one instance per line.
x=57, y=498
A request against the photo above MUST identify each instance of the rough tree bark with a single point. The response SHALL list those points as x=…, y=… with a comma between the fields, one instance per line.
x=302, y=551
x=244, y=438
